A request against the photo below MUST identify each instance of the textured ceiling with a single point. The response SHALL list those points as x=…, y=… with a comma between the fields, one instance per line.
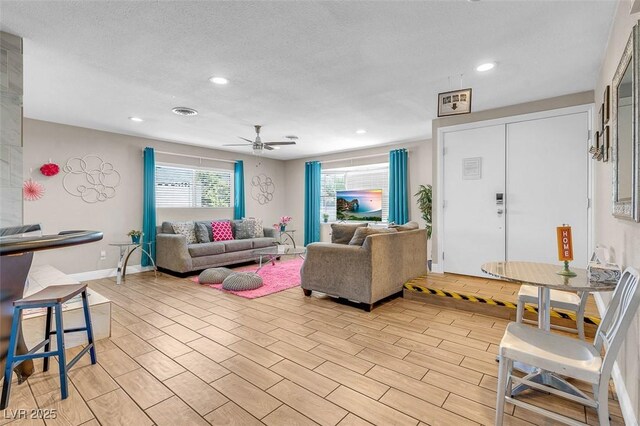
x=318, y=70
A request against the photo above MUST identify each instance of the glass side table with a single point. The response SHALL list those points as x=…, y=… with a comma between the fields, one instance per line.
x=126, y=250
x=287, y=234
x=271, y=254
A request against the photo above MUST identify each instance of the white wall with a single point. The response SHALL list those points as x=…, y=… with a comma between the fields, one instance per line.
x=419, y=173
x=58, y=210
x=621, y=235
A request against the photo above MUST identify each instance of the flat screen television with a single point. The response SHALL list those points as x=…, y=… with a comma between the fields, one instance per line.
x=359, y=205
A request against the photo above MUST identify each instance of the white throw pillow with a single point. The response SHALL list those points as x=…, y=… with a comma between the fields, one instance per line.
x=188, y=229
x=256, y=229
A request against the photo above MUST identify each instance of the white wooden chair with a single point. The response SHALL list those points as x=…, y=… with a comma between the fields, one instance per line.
x=566, y=300
x=569, y=357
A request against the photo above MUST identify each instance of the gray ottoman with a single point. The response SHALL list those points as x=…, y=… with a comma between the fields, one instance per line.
x=214, y=275
x=242, y=281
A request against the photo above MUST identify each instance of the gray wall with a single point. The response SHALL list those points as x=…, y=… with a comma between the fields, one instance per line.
x=419, y=171
x=621, y=235
x=10, y=130
x=58, y=210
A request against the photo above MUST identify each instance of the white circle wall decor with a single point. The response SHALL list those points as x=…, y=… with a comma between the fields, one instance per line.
x=90, y=178
x=262, y=188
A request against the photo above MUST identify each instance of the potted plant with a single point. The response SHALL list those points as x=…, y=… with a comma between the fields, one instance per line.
x=424, y=195
x=135, y=236
x=325, y=217
x=282, y=224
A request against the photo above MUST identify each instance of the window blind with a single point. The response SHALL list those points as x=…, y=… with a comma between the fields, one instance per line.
x=183, y=187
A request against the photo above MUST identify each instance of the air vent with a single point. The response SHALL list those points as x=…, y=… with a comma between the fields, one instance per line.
x=184, y=111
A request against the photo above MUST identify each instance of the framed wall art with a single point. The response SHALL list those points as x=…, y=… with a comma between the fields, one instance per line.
x=605, y=144
x=606, y=102
x=593, y=150
x=601, y=119
x=454, y=103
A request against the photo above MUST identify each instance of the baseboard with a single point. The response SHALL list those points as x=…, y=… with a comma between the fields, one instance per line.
x=621, y=389
x=106, y=273
x=436, y=268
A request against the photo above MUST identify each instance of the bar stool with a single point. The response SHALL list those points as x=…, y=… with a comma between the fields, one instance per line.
x=50, y=297
x=576, y=302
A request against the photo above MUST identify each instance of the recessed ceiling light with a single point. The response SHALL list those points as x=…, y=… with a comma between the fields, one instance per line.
x=485, y=67
x=218, y=80
x=184, y=111
x=136, y=119
x=361, y=131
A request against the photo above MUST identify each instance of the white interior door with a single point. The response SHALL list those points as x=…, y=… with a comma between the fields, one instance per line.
x=547, y=185
x=474, y=173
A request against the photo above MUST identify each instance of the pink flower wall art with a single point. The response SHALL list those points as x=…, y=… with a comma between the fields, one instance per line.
x=32, y=190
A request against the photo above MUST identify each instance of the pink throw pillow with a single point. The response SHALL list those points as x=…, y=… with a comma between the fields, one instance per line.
x=221, y=230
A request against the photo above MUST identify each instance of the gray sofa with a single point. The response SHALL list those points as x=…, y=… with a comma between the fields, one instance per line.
x=174, y=254
x=368, y=273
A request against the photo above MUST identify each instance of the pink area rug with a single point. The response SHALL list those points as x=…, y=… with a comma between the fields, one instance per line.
x=278, y=277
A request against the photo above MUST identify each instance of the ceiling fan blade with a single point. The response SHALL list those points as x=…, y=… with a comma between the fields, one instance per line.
x=267, y=147
x=280, y=143
x=245, y=139
x=235, y=144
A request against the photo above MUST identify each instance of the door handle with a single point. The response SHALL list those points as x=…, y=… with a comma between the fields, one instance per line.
x=500, y=211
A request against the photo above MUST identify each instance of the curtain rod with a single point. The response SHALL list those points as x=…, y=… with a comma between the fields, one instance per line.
x=195, y=156
x=383, y=154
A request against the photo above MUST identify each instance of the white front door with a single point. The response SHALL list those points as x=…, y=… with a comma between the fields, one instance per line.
x=506, y=188
x=547, y=185
x=474, y=182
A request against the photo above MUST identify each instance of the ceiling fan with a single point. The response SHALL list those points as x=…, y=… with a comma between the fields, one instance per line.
x=258, y=146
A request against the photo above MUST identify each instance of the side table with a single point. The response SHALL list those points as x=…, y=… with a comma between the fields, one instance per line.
x=287, y=234
x=126, y=250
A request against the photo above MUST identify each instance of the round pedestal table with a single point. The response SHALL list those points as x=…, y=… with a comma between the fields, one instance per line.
x=545, y=277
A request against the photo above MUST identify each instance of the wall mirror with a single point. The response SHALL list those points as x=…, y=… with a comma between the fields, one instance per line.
x=624, y=132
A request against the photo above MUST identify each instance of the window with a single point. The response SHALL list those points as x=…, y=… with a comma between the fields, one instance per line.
x=373, y=176
x=192, y=188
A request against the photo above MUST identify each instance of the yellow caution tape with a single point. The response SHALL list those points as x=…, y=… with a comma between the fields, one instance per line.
x=413, y=285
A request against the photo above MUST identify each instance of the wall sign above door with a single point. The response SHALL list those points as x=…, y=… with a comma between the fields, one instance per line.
x=454, y=103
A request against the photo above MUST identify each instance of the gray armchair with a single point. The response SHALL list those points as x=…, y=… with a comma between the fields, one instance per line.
x=369, y=273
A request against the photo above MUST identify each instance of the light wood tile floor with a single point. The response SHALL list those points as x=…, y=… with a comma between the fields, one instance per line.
x=181, y=354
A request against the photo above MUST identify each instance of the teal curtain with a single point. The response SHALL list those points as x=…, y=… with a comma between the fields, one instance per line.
x=238, y=190
x=398, y=200
x=312, y=176
x=149, y=204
